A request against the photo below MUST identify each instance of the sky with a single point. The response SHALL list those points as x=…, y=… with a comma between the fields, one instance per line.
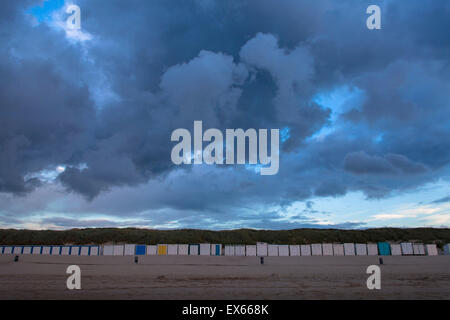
x=86, y=115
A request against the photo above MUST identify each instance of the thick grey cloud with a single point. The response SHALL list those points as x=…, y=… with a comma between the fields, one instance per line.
x=442, y=200
x=362, y=163
x=292, y=71
x=85, y=223
x=105, y=108
x=45, y=121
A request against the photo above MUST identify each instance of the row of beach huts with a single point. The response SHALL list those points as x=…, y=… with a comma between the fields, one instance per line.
x=261, y=249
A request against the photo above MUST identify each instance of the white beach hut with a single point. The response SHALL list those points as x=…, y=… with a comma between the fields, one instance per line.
x=338, y=249
x=316, y=249
x=46, y=250
x=396, y=249
x=108, y=250
x=431, y=250
x=26, y=250
x=361, y=249
x=349, y=249
x=305, y=250
x=294, y=250
x=17, y=249
x=327, y=249
x=183, y=249
x=447, y=249
x=229, y=250
x=152, y=249
x=239, y=250
x=283, y=250
x=8, y=250
x=75, y=250
x=94, y=251
x=129, y=250
x=56, y=250
x=272, y=250
x=172, y=249
x=118, y=250
x=261, y=249
x=194, y=250
x=418, y=249
x=372, y=249
x=250, y=250
x=205, y=249
x=36, y=250
x=407, y=248
x=84, y=251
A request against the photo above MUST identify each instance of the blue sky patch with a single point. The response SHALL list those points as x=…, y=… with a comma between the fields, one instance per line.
x=44, y=11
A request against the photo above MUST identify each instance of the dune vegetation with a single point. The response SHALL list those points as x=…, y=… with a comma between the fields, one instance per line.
x=439, y=236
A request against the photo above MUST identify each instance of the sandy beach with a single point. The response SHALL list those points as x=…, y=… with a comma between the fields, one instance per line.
x=210, y=277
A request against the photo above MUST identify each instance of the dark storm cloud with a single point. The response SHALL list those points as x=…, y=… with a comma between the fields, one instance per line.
x=44, y=120
x=362, y=163
x=9, y=220
x=442, y=200
x=105, y=108
x=179, y=64
x=86, y=223
x=276, y=225
x=261, y=221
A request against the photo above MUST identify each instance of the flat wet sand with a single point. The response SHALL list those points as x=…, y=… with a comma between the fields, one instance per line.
x=209, y=277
